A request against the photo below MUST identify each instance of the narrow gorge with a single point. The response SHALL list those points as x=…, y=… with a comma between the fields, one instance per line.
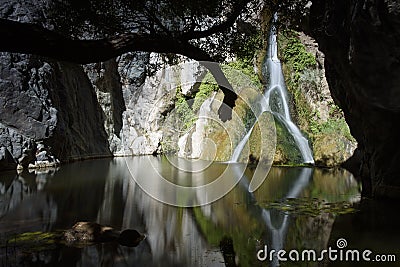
x=209, y=133
x=124, y=93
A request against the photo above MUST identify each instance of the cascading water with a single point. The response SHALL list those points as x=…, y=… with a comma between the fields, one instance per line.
x=276, y=102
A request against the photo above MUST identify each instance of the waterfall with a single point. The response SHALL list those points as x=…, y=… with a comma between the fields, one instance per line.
x=239, y=148
x=276, y=101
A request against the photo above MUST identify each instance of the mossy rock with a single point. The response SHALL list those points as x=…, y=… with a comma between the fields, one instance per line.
x=331, y=149
x=31, y=242
x=287, y=151
x=310, y=207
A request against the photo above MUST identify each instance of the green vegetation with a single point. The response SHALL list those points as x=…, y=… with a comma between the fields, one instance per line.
x=295, y=55
x=186, y=115
x=332, y=126
x=243, y=238
x=234, y=73
x=245, y=67
x=242, y=78
x=36, y=241
x=286, y=148
x=207, y=86
x=310, y=207
x=329, y=133
x=212, y=233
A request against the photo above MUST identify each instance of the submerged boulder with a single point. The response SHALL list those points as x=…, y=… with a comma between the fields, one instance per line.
x=91, y=232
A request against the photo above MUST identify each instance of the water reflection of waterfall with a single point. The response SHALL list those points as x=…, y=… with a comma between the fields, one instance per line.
x=276, y=101
x=278, y=230
x=104, y=191
x=276, y=222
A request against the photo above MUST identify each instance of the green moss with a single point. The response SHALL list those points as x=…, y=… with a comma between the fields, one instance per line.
x=36, y=241
x=287, y=150
x=311, y=206
x=215, y=233
x=212, y=233
x=186, y=116
x=35, y=237
x=207, y=86
x=295, y=54
x=302, y=75
x=245, y=67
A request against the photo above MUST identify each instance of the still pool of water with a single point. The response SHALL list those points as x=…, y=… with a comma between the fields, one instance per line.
x=295, y=208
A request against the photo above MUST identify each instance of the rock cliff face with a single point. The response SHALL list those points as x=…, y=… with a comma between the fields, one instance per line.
x=48, y=110
x=49, y=103
x=149, y=100
x=312, y=105
x=360, y=41
x=106, y=81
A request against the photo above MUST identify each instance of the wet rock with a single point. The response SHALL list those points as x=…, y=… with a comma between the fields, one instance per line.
x=226, y=246
x=106, y=81
x=91, y=232
x=28, y=154
x=88, y=232
x=43, y=158
x=130, y=238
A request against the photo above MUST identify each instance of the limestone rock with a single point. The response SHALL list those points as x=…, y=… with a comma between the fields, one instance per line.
x=148, y=104
x=332, y=150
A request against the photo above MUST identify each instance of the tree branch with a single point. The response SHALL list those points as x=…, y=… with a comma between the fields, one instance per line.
x=33, y=39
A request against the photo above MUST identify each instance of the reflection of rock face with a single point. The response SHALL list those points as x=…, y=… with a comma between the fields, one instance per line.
x=175, y=236
x=21, y=201
x=7, y=161
x=360, y=42
x=166, y=227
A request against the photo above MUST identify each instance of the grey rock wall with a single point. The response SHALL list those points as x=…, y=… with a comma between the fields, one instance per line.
x=106, y=81
x=149, y=100
x=51, y=103
x=45, y=104
x=360, y=40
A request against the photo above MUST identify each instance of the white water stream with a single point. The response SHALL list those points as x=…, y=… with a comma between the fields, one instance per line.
x=276, y=101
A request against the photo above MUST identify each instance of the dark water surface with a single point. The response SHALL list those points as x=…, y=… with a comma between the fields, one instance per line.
x=295, y=208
